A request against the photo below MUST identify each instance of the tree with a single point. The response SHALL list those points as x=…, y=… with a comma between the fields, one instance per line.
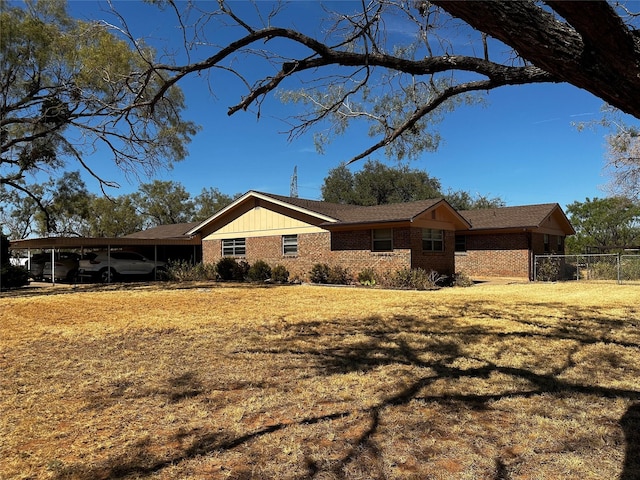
x=606, y=224
x=163, y=203
x=360, y=70
x=210, y=201
x=69, y=88
x=461, y=200
x=113, y=217
x=378, y=184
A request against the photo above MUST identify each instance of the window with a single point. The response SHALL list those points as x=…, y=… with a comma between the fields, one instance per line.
x=560, y=244
x=382, y=240
x=432, y=240
x=461, y=243
x=290, y=244
x=546, y=243
x=233, y=247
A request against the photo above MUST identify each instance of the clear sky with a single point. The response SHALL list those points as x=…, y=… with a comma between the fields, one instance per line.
x=520, y=146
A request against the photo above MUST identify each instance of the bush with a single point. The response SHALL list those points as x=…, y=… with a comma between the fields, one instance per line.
x=13, y=277
x=461, y=279
x=228, y=268
x=603, y=270
x=319, y=273
x=416, y=279
x=259, y=271
x=367, y=277
x=548, y=270
x=338, y=276
x=280, y=274
x=184, y=271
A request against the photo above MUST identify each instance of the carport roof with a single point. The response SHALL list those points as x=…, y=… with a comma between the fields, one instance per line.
x=101, y=242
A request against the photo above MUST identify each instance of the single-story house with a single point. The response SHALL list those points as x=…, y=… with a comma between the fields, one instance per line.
x=428, y=234
x=502, y=242
x=298, y=233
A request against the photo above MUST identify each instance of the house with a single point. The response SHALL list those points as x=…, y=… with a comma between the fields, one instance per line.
x=299, y=233
x=502, y=242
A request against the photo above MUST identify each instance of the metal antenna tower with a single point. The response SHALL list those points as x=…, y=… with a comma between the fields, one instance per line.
x=293, y=189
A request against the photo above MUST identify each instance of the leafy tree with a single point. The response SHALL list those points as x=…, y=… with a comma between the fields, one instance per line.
x=69, y=88
x=113, y=217
x=163, y=203
x=359, y=69
x=378, y=184
x=461, y=200
x=210, y=201
x=608, y=224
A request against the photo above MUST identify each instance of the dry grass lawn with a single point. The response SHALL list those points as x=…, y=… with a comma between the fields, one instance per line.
x=533, y=381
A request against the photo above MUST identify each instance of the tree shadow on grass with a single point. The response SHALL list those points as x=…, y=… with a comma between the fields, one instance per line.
x=630, y=423
x=438, y=347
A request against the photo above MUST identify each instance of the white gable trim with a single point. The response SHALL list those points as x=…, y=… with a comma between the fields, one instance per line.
x=252, y=194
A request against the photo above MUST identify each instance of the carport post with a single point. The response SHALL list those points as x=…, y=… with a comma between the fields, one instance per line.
x=53, y=266
x=109, y=263
x=155, y=263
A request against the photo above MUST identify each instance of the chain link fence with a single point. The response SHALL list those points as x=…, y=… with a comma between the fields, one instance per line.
x=621, y=268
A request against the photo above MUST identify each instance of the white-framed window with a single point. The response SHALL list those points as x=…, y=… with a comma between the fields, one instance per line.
x=290, y=244
x=432, y=240
x=382, y=240
x=234, y=247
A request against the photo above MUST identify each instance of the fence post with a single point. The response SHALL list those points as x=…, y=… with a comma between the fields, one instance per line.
x=618, y=268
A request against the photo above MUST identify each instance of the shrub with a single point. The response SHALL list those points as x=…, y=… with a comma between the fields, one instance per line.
x=461, y=279
x=603, y=270
x=259, y=271
x=416, y=279
x=280, y=274
x=319, y=273
x=338, y=276
x=367, y=277
x=548, y=270
x=13, y=277
x=228, y=268
x=184, y=271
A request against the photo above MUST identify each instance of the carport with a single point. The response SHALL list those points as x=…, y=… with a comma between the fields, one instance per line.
x=56, y=244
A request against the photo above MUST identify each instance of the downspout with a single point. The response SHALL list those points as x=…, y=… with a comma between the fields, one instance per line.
x=531, y=256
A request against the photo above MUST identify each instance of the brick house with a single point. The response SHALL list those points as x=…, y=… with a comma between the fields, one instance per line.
x=502, y=242
x=299, y=233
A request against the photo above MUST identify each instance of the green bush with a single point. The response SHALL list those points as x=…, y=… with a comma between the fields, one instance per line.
x=13, y=277
x=319, y=273
x=280, y=274
x=367, y=277
x=228, y=268
x=259, y=271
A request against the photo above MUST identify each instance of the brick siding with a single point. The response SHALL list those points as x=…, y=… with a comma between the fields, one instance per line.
x=348, y=249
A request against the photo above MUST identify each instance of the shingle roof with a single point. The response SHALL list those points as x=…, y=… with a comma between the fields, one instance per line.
x=509, y=217
x=165, y=231
x=396, y=212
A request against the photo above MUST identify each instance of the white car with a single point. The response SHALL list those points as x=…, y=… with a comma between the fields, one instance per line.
x=107, y=268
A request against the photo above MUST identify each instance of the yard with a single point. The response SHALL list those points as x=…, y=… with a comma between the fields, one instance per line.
x=532, y=381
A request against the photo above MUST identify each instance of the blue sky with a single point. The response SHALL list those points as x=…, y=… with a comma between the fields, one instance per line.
x=521, y=146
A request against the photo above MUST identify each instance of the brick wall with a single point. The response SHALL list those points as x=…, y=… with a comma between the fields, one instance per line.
x=348, y=249
x=497, y=255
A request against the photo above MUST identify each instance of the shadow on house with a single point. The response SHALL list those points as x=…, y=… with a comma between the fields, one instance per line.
x=630, y=423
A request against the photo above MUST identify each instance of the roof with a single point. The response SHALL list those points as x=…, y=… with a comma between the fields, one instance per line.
x=175, y=230
x=336, y=214
x=524, y=216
